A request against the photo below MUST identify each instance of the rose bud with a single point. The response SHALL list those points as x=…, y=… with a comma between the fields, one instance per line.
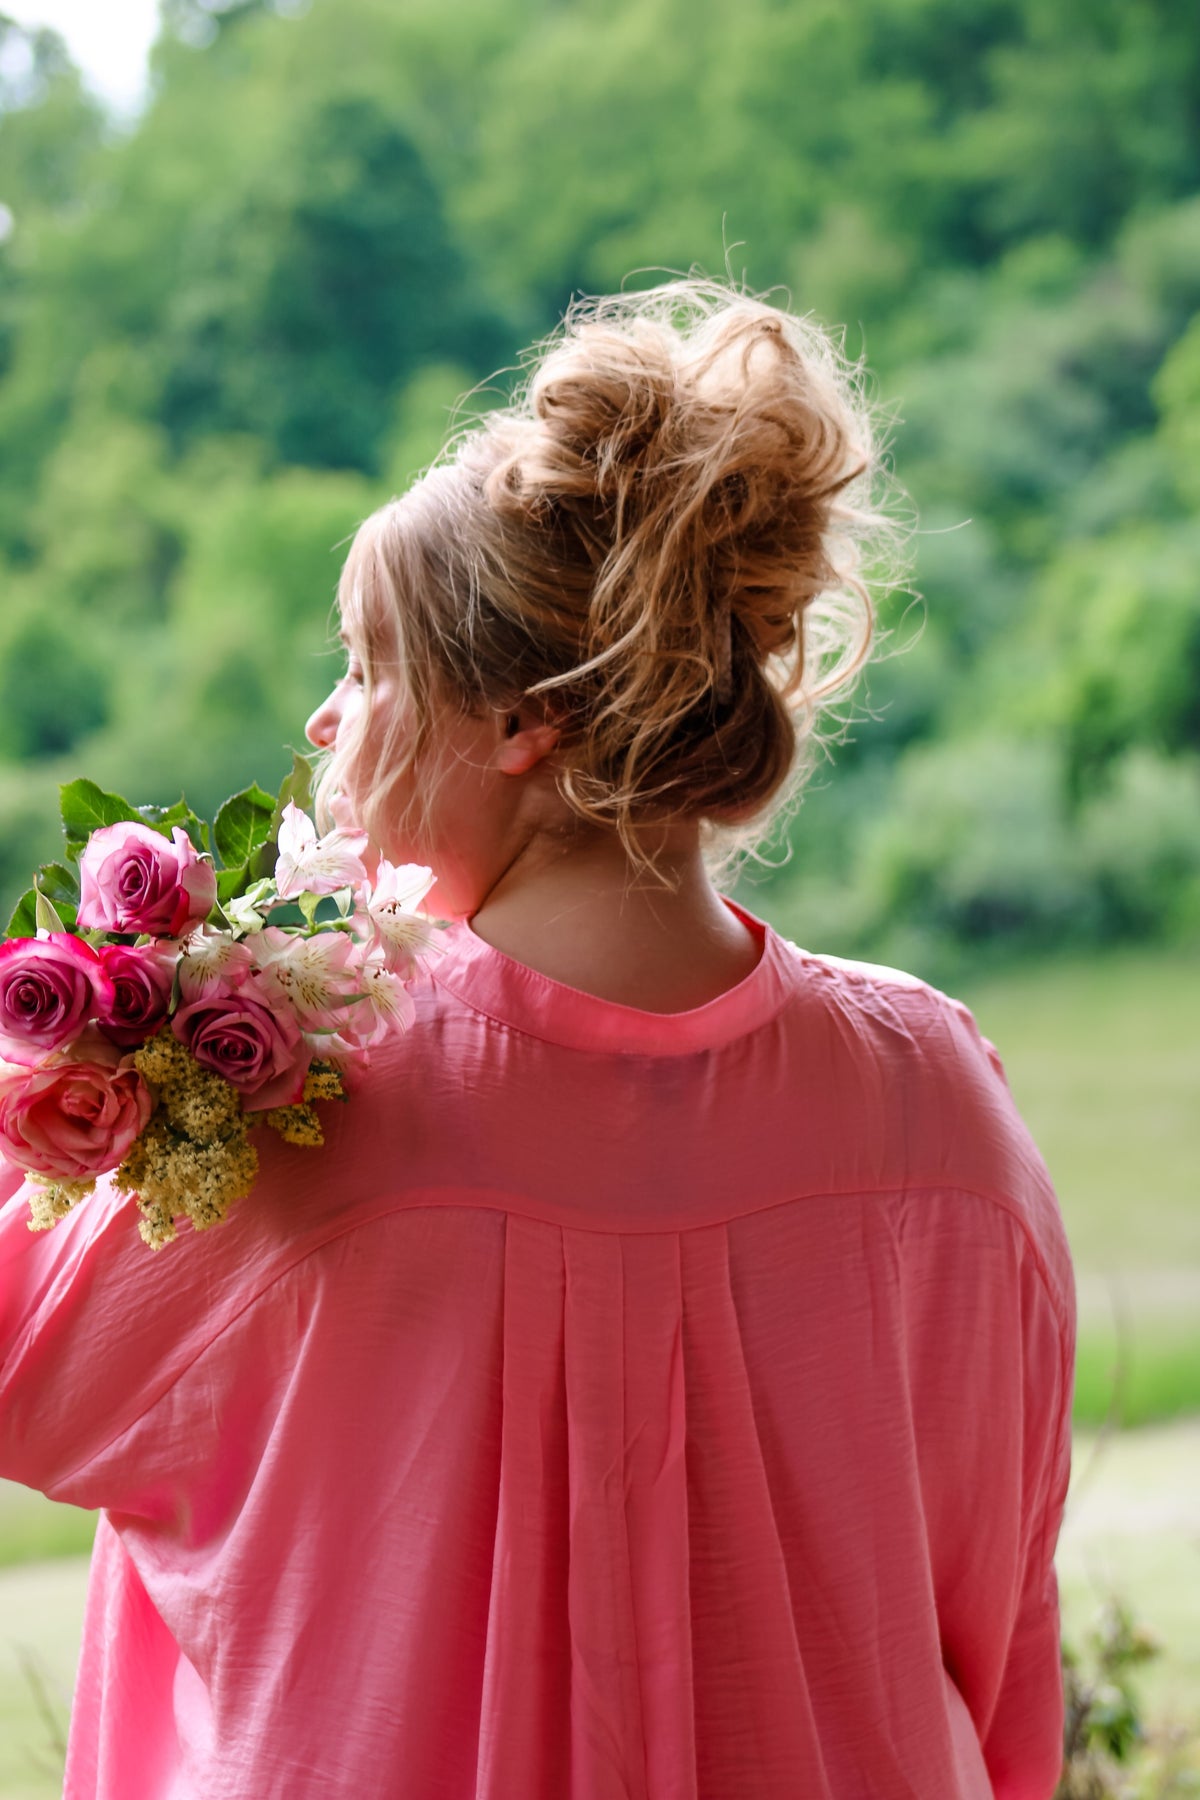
x=141, y=979
x=132, y=879
x=72, y=1120
x=49, y=988
x=239, y=1035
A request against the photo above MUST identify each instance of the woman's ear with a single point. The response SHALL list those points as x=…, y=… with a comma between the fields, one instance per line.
x=523, y=746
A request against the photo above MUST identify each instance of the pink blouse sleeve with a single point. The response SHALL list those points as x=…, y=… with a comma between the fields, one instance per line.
x=1023, y=1747
x=88, y=1339
x=97, y=1333
x=993, y=1378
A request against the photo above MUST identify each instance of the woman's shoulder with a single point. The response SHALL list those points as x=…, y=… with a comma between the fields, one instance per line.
x=922, y=1027
x=909, y=1071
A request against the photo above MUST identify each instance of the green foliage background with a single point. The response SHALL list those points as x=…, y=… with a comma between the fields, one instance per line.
x=230, y=331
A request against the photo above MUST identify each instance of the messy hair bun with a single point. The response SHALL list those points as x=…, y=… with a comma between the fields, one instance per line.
x=670, y=536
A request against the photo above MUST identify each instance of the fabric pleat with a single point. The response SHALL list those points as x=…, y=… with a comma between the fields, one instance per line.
x=656, y=1509
x=524, y=1742
x=635, y=1524
x=608, y=1739
x=752, y=1699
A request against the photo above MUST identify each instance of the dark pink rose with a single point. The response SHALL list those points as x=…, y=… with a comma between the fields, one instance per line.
x=141, y=977
x=132, y=879
x=238, y=1034
x=49, y=988
x=72, y=1119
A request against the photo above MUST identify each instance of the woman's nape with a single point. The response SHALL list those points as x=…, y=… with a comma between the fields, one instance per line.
x=543, y=887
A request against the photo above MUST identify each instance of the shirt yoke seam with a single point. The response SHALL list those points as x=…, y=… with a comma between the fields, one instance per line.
x=345, y=1228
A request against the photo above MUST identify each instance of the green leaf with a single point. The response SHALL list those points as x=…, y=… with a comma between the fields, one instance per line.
x=24, y=918
x=58, y=883
x=244, y=824
x=165, y=819
x=46, y=914
x=55, y=886
x=231, y=882
x=296, y=788
x=86, y=808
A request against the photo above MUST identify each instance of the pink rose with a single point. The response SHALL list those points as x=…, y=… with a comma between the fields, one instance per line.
x=132, y=879
x=71, y=1120
x=243, y=1038
x=141, y=980
x=49, y=987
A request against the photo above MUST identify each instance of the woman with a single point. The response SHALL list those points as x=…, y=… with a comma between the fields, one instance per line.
x=660, y=1384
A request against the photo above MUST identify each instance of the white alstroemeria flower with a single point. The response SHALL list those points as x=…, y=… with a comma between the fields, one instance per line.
x=308, y=864
x=245, y=913
x=311, y=974
x=211, y=960
x=400, y=933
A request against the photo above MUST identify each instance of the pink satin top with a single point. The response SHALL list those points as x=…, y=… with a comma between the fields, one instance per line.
x=621, y=1406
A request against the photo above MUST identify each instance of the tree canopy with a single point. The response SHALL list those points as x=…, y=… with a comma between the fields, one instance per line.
x=230, y=331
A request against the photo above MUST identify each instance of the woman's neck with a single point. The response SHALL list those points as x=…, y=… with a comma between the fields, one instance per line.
x=581, y=913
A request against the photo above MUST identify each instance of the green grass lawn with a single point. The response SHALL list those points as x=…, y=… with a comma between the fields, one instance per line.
x=1103, y=1058
x=1132, y=1532
x=41, y=1622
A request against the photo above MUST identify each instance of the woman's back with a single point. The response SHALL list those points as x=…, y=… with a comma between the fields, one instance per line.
x=622, y=1404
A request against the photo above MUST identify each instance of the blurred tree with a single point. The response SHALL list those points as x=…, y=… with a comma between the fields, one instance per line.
x=50, y=128
x=227, y=334
x=51, y=134
x=301, y=309
x=1118, y=624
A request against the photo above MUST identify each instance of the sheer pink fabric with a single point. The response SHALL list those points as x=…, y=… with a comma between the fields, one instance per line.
x=620, y=1407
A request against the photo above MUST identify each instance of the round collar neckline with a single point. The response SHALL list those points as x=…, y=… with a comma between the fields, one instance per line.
x=510, y=992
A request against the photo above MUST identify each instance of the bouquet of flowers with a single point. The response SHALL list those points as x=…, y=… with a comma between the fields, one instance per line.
x=169, y=987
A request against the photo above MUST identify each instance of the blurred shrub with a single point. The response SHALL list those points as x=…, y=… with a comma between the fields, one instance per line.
x=1177, y=389
x=976, y=844
x=1139, y=844
x=53, y=689
x=1109, y=1753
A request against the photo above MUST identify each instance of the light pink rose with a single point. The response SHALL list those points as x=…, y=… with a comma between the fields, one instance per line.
x=253, y=1045
x=141, y=978
x=49, y=988
x=131, y=879
x=71, y=1120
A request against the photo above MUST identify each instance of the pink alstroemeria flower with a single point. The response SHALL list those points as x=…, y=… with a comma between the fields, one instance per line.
x=386, y=1006
x=400, y=933
x=212, y=962
x=311, y=865
x=314, y=976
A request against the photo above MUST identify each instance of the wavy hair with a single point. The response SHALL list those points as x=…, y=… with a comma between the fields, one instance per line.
x=671, y=540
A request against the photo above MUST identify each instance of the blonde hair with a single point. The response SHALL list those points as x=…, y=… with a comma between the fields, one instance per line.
x=669, y=539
